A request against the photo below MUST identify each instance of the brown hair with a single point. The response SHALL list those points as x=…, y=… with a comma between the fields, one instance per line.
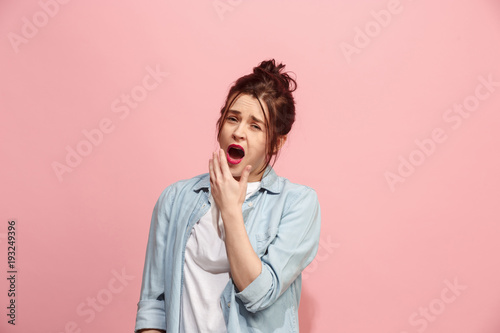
x=269, y=84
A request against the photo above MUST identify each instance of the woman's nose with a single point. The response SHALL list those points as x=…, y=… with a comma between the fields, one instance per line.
x=238, y=133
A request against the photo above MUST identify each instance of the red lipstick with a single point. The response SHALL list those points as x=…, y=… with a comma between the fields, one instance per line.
x=235, y=153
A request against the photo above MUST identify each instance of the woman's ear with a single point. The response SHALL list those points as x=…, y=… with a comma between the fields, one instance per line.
x=281, y=142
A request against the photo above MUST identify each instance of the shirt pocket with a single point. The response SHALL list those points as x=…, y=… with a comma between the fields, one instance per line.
x=264, y=239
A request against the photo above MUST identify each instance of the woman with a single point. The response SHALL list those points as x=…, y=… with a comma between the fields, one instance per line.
x=226, y=249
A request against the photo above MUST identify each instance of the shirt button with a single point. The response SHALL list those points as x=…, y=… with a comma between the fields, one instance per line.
x=229, y=304
x=203, y=206
x=250, y=204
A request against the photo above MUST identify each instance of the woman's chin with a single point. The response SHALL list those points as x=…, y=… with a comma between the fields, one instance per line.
x=236, y=174
x=236, y=170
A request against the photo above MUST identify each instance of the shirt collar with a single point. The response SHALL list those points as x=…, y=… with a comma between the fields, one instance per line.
x=270, y=181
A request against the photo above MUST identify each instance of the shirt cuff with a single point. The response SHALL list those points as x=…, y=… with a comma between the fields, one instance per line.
x=150, y=314
x=254, y=294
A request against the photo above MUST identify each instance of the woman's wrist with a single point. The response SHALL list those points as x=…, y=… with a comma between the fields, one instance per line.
x=231, y=213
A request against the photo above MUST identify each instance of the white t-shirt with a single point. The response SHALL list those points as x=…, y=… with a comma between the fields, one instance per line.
x=206, y=272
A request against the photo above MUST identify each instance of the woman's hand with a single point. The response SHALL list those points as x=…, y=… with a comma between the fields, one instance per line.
x=228, y=193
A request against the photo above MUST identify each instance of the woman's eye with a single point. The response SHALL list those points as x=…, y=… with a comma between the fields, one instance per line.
x=231, y=118
x=256, y=127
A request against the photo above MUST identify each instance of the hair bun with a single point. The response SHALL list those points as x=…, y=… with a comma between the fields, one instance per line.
x=269, y=67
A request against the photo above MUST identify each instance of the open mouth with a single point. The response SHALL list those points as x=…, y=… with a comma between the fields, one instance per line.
x=235, y=154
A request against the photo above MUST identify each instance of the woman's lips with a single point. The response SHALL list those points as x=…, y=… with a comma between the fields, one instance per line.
x=234, y=160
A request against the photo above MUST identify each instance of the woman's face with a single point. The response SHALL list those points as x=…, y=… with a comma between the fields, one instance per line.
x=243, y=137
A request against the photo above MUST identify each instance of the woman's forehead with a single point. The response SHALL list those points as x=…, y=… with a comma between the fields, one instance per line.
x=249, y=104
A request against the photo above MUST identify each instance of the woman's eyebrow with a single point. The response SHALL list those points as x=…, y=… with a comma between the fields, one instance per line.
x=253, y=117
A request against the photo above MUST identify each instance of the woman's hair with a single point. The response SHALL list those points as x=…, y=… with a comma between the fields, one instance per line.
x=267, y=83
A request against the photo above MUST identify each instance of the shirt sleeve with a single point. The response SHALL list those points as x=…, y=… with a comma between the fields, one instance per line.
x=293, y=248
x=151, y=306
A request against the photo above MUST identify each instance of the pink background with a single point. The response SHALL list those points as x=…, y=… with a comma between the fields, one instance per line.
x=375, y=78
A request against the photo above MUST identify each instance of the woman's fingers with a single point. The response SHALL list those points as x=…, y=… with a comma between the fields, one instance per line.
x=245, y=174
x=226, y=191
x=223, y=163
x=216, y=166
x=211, y=169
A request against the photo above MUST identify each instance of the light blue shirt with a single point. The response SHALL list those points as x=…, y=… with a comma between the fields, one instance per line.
x=282, y=220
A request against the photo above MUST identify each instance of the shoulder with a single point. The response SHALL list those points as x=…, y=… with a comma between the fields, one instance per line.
x=295, y=193
x=282, y=186
x=191, y=183
x=184, y=186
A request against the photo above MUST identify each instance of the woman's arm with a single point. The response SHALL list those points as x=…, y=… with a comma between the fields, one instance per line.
x=147, y=330
x=244, y=263
x=229, y=195
x=151, y=306
x=292, y=249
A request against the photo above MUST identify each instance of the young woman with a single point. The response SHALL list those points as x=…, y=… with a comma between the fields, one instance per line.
x=226, y=248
